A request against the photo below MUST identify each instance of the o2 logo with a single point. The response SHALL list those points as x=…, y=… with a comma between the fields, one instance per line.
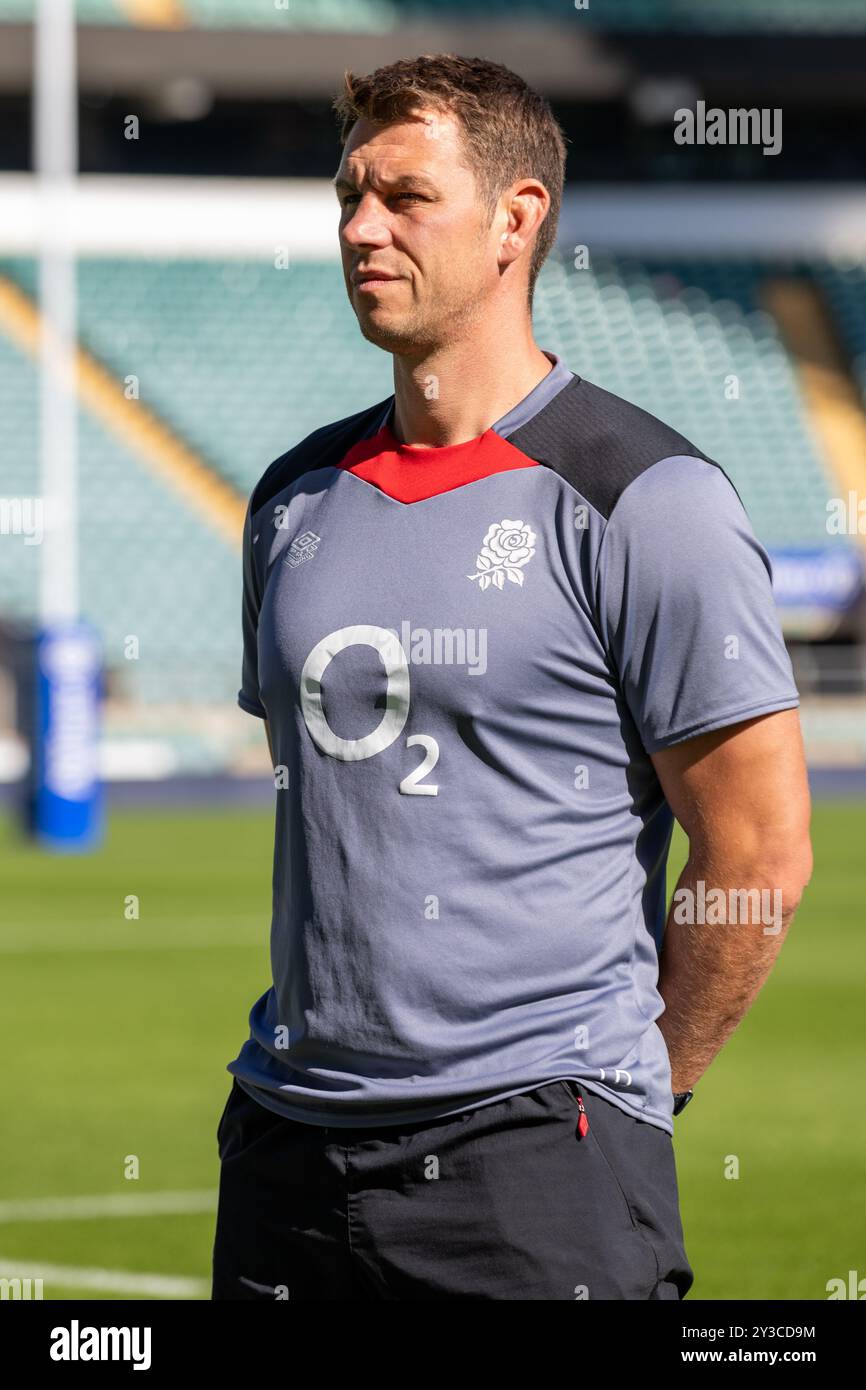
x=390, y=727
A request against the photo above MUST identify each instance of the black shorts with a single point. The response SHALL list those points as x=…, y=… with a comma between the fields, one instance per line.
x=508, y=1201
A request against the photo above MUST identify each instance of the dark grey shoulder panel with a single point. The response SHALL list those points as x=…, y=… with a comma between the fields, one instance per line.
x=324, y=448
x=598, y=442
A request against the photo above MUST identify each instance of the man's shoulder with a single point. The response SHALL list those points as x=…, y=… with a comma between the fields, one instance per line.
x=600, y=442
x=323, y=448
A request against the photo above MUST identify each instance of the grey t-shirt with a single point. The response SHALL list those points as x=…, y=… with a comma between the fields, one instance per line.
x=465, y=657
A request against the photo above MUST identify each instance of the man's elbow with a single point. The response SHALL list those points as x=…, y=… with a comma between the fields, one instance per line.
x=802, y=869
x=789, y=869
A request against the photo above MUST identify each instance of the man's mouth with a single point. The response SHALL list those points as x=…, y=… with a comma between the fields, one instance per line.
x=373, y=279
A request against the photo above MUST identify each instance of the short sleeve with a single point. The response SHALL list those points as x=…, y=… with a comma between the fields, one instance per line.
x=249, y=697
x=686, y=607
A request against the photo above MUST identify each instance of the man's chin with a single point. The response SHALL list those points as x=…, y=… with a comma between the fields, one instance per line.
x=388, y=334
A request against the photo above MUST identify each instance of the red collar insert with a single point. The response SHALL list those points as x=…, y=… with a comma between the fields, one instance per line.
x=413, y=472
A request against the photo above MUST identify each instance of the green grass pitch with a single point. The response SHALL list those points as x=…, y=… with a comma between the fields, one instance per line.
x=116, y=1031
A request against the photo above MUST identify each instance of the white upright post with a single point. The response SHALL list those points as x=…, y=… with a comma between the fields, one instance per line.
x=65, y=806
x=55, y=161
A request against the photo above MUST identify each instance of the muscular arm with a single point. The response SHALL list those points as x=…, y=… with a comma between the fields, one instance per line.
x=742, y=797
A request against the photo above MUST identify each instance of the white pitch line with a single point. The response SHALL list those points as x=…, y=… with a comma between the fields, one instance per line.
x=51, y=948
x=108, y=1204
x=108, y=1280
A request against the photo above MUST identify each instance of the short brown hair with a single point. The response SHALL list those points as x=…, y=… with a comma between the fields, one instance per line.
x=509, y=130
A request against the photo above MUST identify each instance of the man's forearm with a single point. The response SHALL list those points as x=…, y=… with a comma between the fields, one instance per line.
x=724, y=931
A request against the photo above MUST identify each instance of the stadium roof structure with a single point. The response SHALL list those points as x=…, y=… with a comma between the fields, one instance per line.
x=261, y=49
x=360, y=16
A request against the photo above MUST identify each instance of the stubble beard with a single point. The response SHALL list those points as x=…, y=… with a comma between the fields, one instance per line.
x=421, y=332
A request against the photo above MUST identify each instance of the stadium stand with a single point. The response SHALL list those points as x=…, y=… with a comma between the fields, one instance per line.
x=661, y=340
x=845, y=288
x=139, y=544
x=241, y=361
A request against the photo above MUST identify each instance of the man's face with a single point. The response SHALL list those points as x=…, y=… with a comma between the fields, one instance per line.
x=411, y=209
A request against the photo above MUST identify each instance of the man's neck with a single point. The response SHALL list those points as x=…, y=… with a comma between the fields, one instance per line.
x=456, y=393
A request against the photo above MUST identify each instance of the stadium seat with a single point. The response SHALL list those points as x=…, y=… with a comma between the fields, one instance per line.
x=242, y=361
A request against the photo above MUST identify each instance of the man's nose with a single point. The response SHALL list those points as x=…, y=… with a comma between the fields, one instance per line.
x=366, y=227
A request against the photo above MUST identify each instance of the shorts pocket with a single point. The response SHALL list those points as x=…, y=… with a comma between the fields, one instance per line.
x=600, y=1114
x=244, y=1122
x=222, y=1118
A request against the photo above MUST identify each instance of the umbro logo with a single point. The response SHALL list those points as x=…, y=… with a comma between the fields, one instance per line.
x=506, y=548
x=302, y=548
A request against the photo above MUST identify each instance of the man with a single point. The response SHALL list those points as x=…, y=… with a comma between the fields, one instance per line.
x=502, y=627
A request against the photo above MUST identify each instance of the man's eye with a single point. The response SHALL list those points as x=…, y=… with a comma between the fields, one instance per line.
x=349, y=198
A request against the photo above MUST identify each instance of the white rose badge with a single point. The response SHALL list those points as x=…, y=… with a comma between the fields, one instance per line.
x=507, y=547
